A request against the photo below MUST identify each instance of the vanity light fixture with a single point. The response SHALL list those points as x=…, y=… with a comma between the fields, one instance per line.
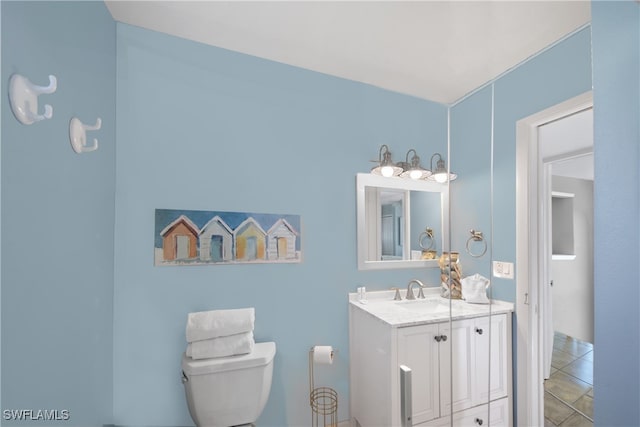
x=440, y=173
x=413, y=170
x=386, y=167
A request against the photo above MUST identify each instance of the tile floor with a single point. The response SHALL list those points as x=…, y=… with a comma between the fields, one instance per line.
x=568, y=396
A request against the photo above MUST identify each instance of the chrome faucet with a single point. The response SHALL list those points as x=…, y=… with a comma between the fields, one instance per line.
x=410, y=294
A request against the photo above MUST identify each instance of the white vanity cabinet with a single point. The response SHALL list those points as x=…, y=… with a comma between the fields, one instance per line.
x=451, y=361
x=449, y=364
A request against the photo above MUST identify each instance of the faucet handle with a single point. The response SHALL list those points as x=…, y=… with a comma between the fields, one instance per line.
x=397, y=296
x=421, y=294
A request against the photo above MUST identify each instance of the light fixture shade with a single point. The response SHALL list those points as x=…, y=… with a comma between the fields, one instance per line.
x=440, y=173
x=386, y=167
x=413, y=170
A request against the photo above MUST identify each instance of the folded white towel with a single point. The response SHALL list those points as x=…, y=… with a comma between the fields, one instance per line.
x=204, y=325
x=222, y=346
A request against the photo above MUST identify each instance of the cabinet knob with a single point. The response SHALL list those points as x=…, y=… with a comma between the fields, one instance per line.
x=479, y=331
x=440, y=338
x=479, y=421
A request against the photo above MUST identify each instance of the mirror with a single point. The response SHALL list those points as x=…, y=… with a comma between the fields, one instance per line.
x=400, y=223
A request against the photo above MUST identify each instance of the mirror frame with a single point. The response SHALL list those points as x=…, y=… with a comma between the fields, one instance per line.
x=394, y=183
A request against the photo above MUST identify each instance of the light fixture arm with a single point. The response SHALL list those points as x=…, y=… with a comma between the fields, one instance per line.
x=384, y=158
x=415, y=160
x=439, y=163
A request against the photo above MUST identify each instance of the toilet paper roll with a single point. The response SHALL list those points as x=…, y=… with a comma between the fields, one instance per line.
x=323, y=354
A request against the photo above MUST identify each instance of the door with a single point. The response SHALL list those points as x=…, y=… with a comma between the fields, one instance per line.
x=252, y=248
x=216, y=248
x=492, y=347
x=418, y=349
x=282, y=247
x=182, y=247
x=457, y=360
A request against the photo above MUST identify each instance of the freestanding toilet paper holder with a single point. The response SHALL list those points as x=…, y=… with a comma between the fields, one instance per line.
x=323, y=400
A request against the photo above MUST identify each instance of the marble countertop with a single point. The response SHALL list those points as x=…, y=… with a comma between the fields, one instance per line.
x=432, y=309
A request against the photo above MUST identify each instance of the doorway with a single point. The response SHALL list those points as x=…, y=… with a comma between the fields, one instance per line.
x=566, y=150
x=531, y=310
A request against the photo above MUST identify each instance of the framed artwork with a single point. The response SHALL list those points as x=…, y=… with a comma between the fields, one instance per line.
x=188, y=237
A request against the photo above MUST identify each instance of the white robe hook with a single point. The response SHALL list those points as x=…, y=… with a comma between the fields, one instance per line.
x=78, y=135
x=23, y=97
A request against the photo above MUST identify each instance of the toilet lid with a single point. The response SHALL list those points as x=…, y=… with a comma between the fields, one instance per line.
x=261, y=355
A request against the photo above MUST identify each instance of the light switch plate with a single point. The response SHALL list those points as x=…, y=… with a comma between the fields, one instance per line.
x=503, y=269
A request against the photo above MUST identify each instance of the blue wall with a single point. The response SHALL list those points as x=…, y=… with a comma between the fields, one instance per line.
x=58, y=215
x=470, y=194
x=555, y=75
x=208, y=129
x=189, y=118
x=616, y=82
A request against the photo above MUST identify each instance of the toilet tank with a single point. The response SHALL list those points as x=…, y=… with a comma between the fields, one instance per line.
x=229, y=391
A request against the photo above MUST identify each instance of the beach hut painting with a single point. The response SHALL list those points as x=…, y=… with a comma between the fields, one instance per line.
x=281, y=240
x=179, y=239
x=250, y=241
x=216, y=241
x=190, y=237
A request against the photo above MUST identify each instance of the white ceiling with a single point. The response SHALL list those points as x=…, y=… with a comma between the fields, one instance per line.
x=436, y=50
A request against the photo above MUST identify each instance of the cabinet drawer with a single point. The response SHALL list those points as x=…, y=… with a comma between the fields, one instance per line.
x=495, y=414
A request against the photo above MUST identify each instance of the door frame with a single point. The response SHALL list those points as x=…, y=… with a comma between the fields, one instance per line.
x=530, y=257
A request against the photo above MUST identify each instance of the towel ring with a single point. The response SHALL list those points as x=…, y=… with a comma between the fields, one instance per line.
x=476, y=236
x=427, y=234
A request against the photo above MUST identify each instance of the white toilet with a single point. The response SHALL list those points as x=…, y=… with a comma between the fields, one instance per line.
x=229, y=391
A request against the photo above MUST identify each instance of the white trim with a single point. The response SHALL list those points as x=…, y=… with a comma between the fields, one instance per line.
x=558, y=257
x=546, y=244
x=562, y=194
x=570, y=155
x=529, y=257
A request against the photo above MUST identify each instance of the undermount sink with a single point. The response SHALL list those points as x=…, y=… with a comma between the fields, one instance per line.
x=428, y=305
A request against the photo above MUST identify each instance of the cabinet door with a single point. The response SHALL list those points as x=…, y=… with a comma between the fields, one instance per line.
x=418, y=350
x=457, y=362
x=492, y=380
